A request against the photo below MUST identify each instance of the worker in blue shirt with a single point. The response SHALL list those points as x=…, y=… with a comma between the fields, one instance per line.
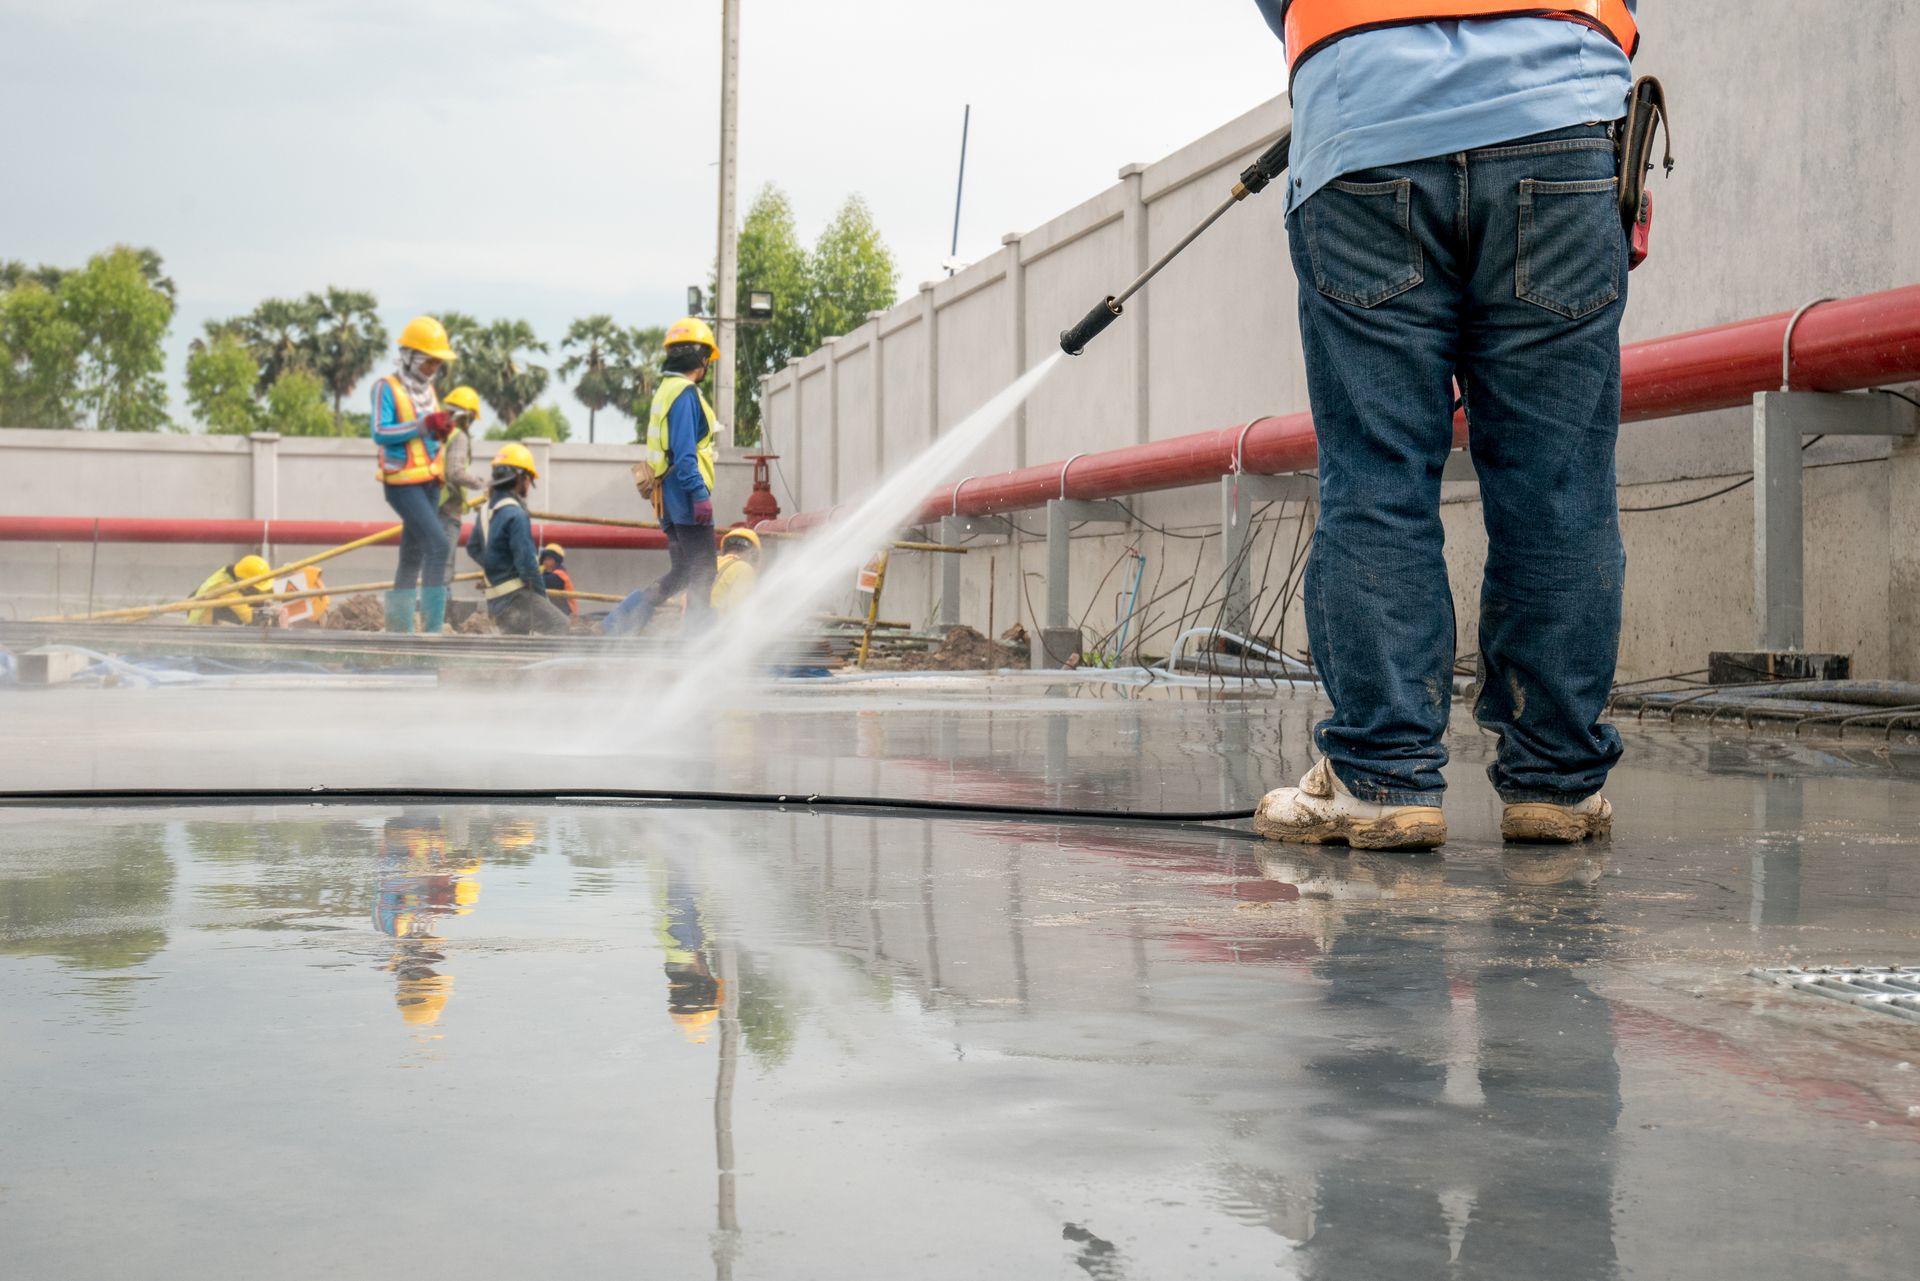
x=1454, y=224
x=410, y=430
x=502, y=542
x=678, y=475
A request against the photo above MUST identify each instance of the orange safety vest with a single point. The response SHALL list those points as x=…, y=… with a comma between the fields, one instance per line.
x=1312, y=25
x=419, y=466
x=566, y=585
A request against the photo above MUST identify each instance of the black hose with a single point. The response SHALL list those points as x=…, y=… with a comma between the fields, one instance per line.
x=883, y=805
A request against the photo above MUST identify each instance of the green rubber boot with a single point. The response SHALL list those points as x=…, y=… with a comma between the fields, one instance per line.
x=400, y=610
x=433, y=609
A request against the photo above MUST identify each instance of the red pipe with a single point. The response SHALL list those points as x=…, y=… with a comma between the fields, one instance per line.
x=1868, y=341
x=282, y=533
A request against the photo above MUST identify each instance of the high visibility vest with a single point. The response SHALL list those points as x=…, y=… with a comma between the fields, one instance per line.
x=1312, y=25
x=421, y=464
x=569, y=604
x=506, y=587
x=657, y=456
x=733, y=578
x=236, y=613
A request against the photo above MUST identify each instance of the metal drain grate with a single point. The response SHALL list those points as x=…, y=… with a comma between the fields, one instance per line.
x=1893, y=989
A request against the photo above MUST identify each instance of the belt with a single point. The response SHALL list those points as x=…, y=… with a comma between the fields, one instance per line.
x=494, y=591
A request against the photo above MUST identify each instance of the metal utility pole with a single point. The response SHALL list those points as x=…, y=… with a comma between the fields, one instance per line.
x=959, y=190
x=726, y=305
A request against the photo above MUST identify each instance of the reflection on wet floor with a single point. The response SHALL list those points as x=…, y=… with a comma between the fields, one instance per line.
x=756, y=1043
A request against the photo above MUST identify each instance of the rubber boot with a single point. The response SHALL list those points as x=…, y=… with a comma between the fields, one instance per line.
x=433, y=609
x=629, y=616
x=400, y=610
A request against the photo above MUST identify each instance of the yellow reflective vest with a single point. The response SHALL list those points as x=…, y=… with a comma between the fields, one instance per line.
x=235, y=613
x=663, y=397
x=732, y=582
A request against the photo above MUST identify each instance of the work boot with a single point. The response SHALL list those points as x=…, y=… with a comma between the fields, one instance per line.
x=400, y=610
x=1321, y=811
x=433, y=609
x=1545, y=823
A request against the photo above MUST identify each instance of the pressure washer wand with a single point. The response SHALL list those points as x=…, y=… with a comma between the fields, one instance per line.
x=1254, y=178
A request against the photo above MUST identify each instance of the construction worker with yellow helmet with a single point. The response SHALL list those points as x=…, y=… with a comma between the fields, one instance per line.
x=461, y=486
x=409, y=434
x=682, y=448
x=739, y=567
x=242, y=611
x=502, y=543
x=553, y=572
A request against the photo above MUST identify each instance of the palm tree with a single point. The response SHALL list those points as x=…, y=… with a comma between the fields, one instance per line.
x=279, y=332
x=495, y=369
x=345, y=339
x=593, y=346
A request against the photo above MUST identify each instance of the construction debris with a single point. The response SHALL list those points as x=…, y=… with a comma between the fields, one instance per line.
x=963, y=650
x=356, y=614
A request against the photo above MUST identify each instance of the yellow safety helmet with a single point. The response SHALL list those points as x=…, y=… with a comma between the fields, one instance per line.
x=693, y=329
x=515, y=454
x=427, y=336
x=462, y=398
x=421, y=999
x=743, y=534
x=554, y=550
x=696, y=1026
x=250, y=567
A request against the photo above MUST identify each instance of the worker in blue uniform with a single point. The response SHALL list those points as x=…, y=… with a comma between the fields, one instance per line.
x=502, y=542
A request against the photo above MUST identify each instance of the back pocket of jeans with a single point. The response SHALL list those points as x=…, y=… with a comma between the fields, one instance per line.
x=1360, y=238
x=1569, y=253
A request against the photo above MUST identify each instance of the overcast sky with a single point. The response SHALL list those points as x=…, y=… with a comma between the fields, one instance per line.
x=548, y=159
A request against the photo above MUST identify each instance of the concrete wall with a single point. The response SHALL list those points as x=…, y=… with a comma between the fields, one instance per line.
x=1796, y=181
x=266, y=477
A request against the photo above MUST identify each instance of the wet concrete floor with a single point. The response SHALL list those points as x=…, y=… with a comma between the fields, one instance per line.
x=535, y=1040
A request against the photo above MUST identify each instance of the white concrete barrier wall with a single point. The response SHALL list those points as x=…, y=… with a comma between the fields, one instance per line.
x=1796, y=181
x=67, y=473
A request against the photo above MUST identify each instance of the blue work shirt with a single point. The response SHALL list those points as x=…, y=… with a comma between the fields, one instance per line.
x=503, y=545
x=683, y=485
x=1433, y=88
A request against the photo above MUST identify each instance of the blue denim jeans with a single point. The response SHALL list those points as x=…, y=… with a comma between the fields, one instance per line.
x=423, y=543
x=1503, y=270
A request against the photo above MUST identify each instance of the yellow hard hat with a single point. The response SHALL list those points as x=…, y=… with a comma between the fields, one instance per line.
x=694, y=1026
x=463, y=398
x=421, y=1000
x=555, y=550
x=250, y=567
x=515, y=454
x=693, y=329
x=742, y=533
x=427, y=336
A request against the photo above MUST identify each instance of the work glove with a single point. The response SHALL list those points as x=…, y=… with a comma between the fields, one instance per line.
x=703, y=512
x=439, y=422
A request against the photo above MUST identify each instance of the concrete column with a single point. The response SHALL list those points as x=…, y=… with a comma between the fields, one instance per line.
x=1778, y=548
x=832, y=348
x=878, y=397
x=1903, y=546
x=1134, y=226
x=952, y=530
x=1017, y=314
x=550, y=500
x=266, y=475
x=795, y=473
x=930, y=320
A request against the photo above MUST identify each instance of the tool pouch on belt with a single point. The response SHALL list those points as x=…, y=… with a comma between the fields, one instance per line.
x=1633, y=144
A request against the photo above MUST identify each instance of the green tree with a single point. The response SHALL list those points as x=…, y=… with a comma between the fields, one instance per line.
x=344, y=340
x=123, y=319
x=39, y=356
x=496, y=368
x=545, y=422
x=817, y=295
x=463, y=335
x=849, y=273
x=297, y=405
x=593, y=348
x=279, y=333
x=771, y=258
x=220, y=380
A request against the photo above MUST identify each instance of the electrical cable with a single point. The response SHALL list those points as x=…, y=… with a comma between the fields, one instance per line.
x=1738, y=484
x=885, y=805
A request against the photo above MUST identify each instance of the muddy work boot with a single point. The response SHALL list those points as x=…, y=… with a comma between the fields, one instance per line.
x=1544, y=823
x=1321, y=811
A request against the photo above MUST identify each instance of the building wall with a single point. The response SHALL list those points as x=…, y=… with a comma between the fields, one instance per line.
x=70, y=473
x=1795, y=182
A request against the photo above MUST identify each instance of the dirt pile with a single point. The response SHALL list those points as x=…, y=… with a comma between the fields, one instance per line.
x=356, y=614
x=963, y=650
x=478, y=623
